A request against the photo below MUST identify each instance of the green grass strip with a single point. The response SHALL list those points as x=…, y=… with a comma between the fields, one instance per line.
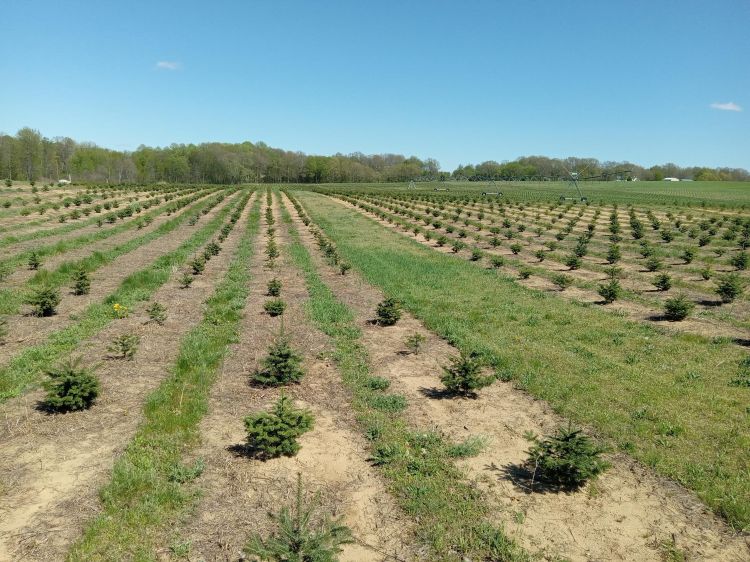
x=11, y=299
x=451, y=514
x=665, y=399
x=141, y=500
x=25, y=369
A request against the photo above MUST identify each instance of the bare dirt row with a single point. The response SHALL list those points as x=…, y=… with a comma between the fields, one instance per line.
x=237, y=491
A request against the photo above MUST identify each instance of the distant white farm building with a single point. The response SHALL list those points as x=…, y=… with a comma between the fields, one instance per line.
x=671, y=179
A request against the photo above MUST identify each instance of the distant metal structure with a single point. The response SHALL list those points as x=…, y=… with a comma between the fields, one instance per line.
x=573, y=182
x=412, y=185
x=492, y=189
x=575, y=177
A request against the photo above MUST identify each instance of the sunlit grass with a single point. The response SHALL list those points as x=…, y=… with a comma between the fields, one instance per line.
x=663, y=398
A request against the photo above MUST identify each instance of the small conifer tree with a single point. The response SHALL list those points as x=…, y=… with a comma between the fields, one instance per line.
x=70, y=387
x=567, y=458
x=301, y=535
x=464, y=375
x=280, y=366
x=388, y=312
x=274, y=434
x=81, y=282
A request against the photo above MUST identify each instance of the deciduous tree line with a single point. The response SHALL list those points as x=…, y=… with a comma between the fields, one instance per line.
x=29, y=156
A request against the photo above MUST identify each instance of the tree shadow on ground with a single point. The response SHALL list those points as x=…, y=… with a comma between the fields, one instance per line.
x=528, y=481
x=445, y=394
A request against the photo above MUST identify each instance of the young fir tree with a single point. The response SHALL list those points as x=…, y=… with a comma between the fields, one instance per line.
x=568, y=458
x=464, y=375
x=274, y=434
x=81, y=282
x=280, y=366
x=301, y=534
x=70, y=387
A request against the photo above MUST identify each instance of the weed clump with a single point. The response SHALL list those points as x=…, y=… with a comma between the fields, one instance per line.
x=568, y=458
x=742, y=377
x=70, y=387
x=274, y=434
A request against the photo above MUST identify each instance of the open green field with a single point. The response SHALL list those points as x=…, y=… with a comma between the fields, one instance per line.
x=640, y=192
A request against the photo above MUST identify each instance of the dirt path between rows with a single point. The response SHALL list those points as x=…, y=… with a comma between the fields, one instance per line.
x=625, y=515
x=54, y=465
x=26, y=330
x=238, y=492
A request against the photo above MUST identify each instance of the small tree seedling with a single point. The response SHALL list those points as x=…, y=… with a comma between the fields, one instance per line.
x=44, y=300
x=81, y=282
x=280, y=366
x=388, y=312
x=274, y=434
x=70, y=387
x=301, y=534
x=274, y=307
x=464, y=375
x=124, y=346
x=414, y=343
x=567, y=458
x=274, y=288
x=157, y=313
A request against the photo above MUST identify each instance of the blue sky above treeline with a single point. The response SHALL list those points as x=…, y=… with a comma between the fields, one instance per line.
x=649, y=82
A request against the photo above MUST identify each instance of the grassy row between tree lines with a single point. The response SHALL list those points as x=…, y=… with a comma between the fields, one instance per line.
x=144, y=497
x=662, y=398
x=450, y=514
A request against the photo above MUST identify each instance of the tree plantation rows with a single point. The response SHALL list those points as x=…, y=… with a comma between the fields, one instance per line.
x=211, y=372
x=670, y=263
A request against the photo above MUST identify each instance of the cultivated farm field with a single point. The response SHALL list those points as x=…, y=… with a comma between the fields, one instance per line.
x=375, y=372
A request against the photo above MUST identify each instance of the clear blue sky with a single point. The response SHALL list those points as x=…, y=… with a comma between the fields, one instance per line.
x=458, y=81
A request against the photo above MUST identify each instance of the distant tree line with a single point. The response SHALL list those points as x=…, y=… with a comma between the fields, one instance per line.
x=541, y=167
x=30, y=156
